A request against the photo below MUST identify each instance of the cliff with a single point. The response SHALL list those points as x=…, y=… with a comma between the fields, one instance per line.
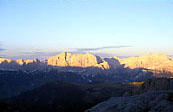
x=157, y=101
x=155, y=63
x=77, y=60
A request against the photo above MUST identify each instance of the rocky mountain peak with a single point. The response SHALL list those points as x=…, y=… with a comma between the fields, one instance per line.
x=159, y=62
x=22, y=61
x=64, y=54
x=77, y=60
x=5, y=60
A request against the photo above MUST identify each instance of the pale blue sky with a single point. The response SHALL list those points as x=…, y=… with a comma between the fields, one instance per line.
x=41, y=28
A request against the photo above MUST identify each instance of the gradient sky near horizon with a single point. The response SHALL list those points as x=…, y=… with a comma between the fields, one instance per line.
x=42, y=28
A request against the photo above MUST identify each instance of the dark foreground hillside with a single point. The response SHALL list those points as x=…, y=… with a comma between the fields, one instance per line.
x=51, y=97
x=4, y=107
x=65, y=97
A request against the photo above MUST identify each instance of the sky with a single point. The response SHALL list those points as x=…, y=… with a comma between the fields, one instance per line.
x=43, y=28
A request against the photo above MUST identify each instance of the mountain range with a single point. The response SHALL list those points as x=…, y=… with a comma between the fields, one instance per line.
x=157, y=63
x=68, y=81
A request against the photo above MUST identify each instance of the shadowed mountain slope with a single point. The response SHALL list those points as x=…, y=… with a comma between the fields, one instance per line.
x=157, y=101
x=66, y=97
x=153, y=95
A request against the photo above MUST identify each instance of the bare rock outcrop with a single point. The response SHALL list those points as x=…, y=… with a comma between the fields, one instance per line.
x=155, y=63
x=22, y=61
x=149, y=85
x=157, y=101
x=2, y=60
x=77, y=60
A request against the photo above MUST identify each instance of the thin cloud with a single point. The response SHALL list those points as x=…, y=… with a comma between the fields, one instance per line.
x=37, y=54
x=40, y=53
x=1, y=49
x=44, y=54
x=100, y=48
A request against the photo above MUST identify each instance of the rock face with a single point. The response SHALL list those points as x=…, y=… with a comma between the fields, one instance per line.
x=22, y=62
x=158, y=62
x=149, y=85
x=160, y=101
x=34, y=64
x=155, y=84
x=4, y=60
x=172, y=58
x=77, y=60
x=149, y=96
